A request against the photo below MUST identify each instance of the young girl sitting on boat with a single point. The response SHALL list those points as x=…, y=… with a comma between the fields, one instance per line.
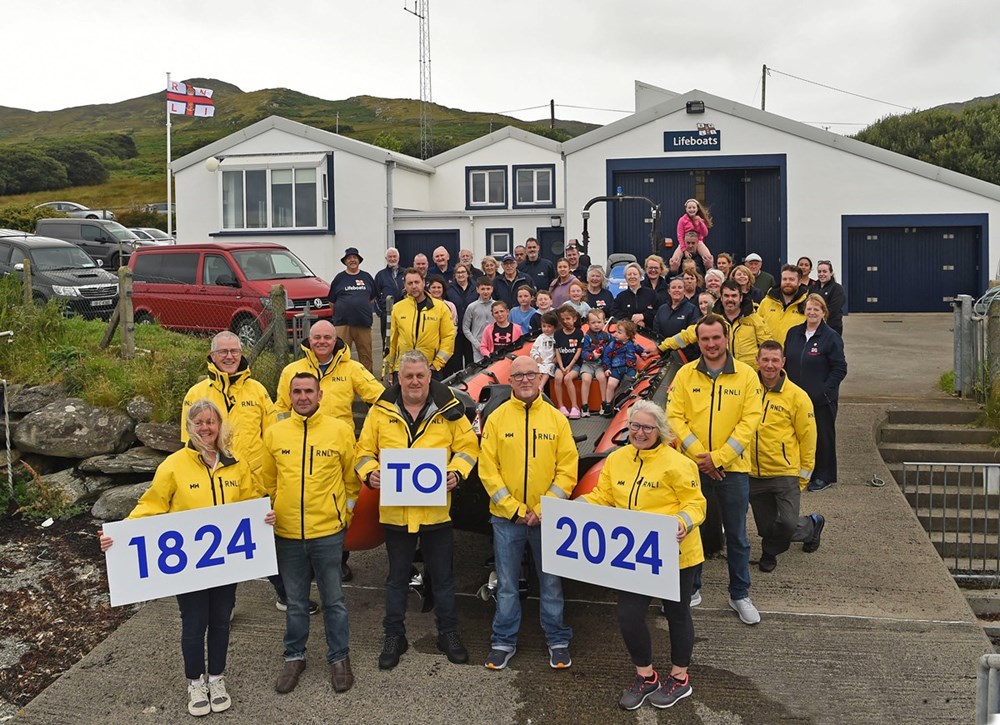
x=569, y=345
x=543, y=349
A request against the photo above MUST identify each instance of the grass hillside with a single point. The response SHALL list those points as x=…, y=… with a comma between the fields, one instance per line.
x=142, y=179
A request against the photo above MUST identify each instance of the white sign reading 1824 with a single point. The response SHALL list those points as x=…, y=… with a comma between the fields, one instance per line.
x=413, y=477
x=627, y=550
x=186, y=551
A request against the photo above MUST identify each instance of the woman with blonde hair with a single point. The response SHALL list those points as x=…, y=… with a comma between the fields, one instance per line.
x=656, y=280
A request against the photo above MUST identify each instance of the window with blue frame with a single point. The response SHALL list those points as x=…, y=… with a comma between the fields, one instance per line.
x=486, y=187
x=499, y=242
x=291, y=197
x=535, y=186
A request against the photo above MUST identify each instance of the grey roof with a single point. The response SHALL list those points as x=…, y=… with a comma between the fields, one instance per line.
x=333, y=140
x=491, y=138
x=785, y=125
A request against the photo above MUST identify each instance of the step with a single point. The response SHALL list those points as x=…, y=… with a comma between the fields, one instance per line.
x=960, y=520
x=954, y=453
x=947, y=416
x=929, y=499
x=935, y=433
x=951, y=475
x=967, y=551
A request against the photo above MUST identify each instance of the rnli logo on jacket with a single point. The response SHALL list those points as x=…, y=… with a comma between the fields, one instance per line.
x=545, y=436
x=814, y=350
x=249, y=404
x=731, y=391
x=776, y=408
x=337, y=379
x=231, y=483
x=327, y=453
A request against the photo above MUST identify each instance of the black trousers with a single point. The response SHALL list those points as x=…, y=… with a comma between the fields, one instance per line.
x=632, y=610
x=826, y=442
x=775, y=504
x=206, y=610
x=437, y=546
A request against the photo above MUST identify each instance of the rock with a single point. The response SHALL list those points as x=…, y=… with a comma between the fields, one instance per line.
x=160, y=436
x=134, y=460
x=28, y=400
x=75, y=487
x=117, y=503
x=139, y=409
x=70, y=428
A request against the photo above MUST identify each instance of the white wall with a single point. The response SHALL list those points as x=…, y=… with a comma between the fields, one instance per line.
x=472, y=226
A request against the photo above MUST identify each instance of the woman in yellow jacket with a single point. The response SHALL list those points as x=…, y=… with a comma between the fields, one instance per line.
x=648, y=475
x=221, y=479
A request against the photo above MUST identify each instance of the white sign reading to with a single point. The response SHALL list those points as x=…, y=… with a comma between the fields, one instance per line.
x=627, y=550
x=158, y=556
x=413, y=477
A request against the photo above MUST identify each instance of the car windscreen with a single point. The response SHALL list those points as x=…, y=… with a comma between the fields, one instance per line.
x=121, y=233
x=259, y=264
x=48, y=258
x=156, y=234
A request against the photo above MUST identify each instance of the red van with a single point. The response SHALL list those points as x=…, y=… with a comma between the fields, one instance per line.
x=221, y=286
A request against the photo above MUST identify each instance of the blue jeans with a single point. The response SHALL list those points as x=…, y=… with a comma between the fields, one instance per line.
x=508, y=549
x=298, y=560
x=728, y=501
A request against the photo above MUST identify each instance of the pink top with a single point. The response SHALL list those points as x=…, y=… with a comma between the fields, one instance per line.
x=686, y=224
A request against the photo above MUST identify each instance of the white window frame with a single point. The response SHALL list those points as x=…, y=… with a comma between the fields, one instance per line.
x=534, y=170
x=474, y=172
x=319, y=168
x=494, y=247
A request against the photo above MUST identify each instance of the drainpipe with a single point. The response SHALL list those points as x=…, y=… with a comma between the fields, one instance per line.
x=390, y=236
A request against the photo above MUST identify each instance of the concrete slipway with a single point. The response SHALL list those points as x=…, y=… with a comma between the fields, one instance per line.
x=871, y=628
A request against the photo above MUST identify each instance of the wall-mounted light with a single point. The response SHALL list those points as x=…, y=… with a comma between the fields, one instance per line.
x=212, y=164
x=555, y=220
x=695, y=106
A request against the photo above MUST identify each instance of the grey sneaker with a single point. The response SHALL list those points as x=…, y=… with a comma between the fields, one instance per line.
x=671, y=691
x=198, y=702
x=637, y=692
x=559, y=658
x=497, y=659
x=747, y=611
x=696, y=598
x=218, y=697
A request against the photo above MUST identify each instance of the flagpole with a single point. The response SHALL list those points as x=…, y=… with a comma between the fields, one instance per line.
x=170, y=206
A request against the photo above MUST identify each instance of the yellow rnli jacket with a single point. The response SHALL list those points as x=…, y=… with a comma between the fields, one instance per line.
x=309, y=474
x=746, y=333
x=657, y=480
x=527, y=451
x=444, y=425
x=779, y=317
x=785, y=441
x=244, y=403
x=183, y=482
x=343, y=379
x=715, y=416
x=426, y=327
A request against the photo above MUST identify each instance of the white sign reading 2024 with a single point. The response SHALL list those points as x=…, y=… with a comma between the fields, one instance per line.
x=413, y=477
x=631, y=551
x=157, y=556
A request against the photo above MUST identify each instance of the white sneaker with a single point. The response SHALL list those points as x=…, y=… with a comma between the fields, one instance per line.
x=747, y=611
x=218, y=696
x=696, y=598
x=198, y=703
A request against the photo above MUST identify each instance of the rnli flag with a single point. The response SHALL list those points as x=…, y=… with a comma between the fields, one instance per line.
x=185, y=100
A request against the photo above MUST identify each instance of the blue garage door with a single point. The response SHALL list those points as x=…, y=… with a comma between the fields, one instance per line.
x=911, y=269
x=630, y=219
x=411, y=242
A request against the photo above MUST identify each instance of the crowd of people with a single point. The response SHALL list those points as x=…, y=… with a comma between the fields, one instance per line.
x=749, y=424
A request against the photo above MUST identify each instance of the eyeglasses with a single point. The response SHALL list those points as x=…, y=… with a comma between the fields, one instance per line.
x=523, y=376
x=224, y=353
x=636, y=427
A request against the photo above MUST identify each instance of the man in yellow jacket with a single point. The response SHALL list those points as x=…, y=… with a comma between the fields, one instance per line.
x=714, y=408
x=747, y=330
x=527, y=452
x=782, y=455
x=418, y=413
x=784, y=306
x=420, y=322
x=309, y=474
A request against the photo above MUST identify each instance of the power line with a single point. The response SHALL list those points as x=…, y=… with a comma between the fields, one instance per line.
x=593, y=108
x=840, y=90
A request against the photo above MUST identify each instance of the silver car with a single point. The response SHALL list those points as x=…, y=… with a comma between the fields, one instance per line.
x=77, y=211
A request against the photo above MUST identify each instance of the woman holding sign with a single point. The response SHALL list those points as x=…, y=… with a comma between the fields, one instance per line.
x=648, y=475
x=204, y=473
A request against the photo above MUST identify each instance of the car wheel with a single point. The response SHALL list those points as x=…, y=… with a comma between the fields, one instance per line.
x=92, y=216
x=38, y=298
x=248, y=331
x=144, y=318
x=113, y=263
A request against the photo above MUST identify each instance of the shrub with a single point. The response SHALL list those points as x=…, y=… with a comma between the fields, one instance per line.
x=23, y=170
x=139, y=216
x=22, y=217
x=82, y=166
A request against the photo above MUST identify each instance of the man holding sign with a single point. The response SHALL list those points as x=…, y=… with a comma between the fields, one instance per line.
x=417, y=414
x=308, y=470
x=528, y=452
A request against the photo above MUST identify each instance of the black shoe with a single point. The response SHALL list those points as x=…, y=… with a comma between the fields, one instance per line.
x=451, y=645
x=819, y=521
x=345, y=572
x=818, y=484
x=281, y=605
x=393, y=648
x=767, y=562
x=607, y=410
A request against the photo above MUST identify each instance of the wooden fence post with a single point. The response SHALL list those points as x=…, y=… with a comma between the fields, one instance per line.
x=126, y=318
x=279, y=327
x=26, y=277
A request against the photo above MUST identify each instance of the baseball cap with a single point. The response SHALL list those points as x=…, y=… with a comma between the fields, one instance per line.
x=752, y=257
x=508, y=258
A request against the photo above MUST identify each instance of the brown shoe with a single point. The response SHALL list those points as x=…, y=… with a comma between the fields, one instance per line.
x=289, y=676
x=341, y=676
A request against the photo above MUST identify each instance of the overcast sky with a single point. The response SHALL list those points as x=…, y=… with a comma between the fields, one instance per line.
x=501, y=56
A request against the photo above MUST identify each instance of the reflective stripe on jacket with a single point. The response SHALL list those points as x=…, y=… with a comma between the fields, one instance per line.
x=746, y=333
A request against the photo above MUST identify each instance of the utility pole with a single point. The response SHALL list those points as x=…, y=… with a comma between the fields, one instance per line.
x=552, y=114
x=763, y=86
x=421, y=10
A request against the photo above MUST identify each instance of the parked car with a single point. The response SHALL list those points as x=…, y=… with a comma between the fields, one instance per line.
x=151, y=235
x=77, y=211
x=105, y=241
x=221, y=286
x=161, y=207
x=60, y=270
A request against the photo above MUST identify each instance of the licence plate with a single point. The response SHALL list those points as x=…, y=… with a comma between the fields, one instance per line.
x=101, y=303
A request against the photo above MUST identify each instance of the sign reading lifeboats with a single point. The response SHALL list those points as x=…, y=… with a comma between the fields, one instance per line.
x=413, y=477
x=616, y=548
x=158, y=556
x=705, y=138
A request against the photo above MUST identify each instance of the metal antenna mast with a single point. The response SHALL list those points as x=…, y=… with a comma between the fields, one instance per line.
x=421, y=10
